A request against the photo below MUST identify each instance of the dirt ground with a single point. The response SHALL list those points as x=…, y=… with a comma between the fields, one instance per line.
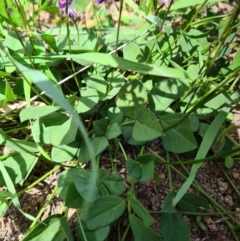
x=151, y=193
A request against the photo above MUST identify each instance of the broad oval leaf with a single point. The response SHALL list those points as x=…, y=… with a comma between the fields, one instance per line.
x=167, y=203
x=64, y=153
x=190, y=202
x=140, y=210
x=112, y=181
x=64, y=133
x=163, y=94
x=113, y=131
x=140, y=232
x=133, y=168
x=133, y=52
x=73, y=198
x=99, y=144
x=147, y=127
x=100, y=127
x=132, y=98
x=103, y=212
x=178, y=139
x=98, y=83
x=95, y=235
x=147, y=171
x=229, y=162
x=173, y=227
x=69, y=176
x=127, y=134
x=115, y=115
x=44, y=127
x=87, y=101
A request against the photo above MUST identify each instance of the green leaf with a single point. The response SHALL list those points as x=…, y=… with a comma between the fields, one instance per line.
x=115, y=81
x=12, y=192
x=44, y=127
x=103, y=212
x=100, y=127
x=95, y=235
x=132, y=98
x=190, y=202
x=87, y=101
x=218, y=101
x=98, y=83
x=53, y=228
x=140, y=232
x=69, y=176
x=133, y=168
x=3, y=100
x=18, y=166
x=2, y=136
x=117, y=62
x=139, y=210
x=12, y=42
x=50, y=40
x=87, y=39
x=194, y=122
x=147, y=166
x=147, y=171
x=104, y=109
x=112, y=181
x=217, y=144
x=39, y=47
x=10, y=13
x=180, y=138
x=203, y=150
x=156, y=177
x=99, y=144
x=133, y=52
x=173, y=227
x=154, y=20
x=73, y=199
x=3, y=208
x=113, y=131
x=186, y=4
x=147, y=127
x=9, y=94
x=127, y=134
x=21, y=145
x=236, y=59
x=83, y=187
x=102, y=189
x=167, y=203
x=229, y=162
x=162, y=95
x=36, y=112
x=145, y=158
x=64, y=153
x=80, y=5
x=115, y=115
x=3, y=195
x=45, y=84
x=64, y=133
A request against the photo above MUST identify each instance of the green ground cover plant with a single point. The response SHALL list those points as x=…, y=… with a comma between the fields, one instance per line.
x=163, y=75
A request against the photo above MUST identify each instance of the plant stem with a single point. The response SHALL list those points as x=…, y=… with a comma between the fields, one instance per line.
x=49, y=199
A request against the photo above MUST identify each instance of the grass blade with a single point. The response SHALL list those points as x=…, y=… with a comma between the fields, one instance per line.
x=202, y=152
